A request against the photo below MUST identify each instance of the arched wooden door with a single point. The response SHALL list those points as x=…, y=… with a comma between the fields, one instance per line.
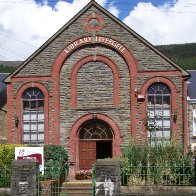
x=95, y=142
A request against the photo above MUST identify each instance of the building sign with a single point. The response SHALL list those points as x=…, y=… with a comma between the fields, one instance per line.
x=22, y=153
x=96, y=39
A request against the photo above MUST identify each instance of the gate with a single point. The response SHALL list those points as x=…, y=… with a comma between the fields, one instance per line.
x=50, y=181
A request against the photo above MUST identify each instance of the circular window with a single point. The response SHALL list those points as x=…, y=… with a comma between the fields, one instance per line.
x=94, y=22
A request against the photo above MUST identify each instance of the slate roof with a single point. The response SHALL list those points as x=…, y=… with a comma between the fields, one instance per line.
x=192, y=85
x=3, y=93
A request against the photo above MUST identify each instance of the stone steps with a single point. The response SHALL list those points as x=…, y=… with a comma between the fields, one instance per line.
x=77, y=188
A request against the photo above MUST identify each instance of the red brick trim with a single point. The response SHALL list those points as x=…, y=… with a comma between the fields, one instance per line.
x=19, y=109
x=85, y=60
x=62, y=56
x=93, y=16
x=73, y=142
x=132, y=66
x=174, y=106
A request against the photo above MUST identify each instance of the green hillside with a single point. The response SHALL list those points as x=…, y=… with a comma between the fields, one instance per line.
x=182, y=54
x=9, y=66
x=4, y=69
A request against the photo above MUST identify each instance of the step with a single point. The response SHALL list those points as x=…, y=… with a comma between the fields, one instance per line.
x=77, y=188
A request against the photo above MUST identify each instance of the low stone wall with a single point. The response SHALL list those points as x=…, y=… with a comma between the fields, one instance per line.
x=5, y=191
x=159, y=190
x=107, y=177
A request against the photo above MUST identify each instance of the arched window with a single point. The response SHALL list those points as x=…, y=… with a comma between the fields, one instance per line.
x=159, y=106
x=33, y=116
x=95, y=130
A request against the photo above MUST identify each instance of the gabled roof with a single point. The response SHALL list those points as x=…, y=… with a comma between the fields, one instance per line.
x=93, y=3
x=3, y=93
x=192, y=85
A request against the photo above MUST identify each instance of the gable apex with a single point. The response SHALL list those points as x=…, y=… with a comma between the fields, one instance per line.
x=109, y=15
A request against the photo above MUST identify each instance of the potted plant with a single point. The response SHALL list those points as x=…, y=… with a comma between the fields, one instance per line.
x=89, y=174
x=80, y=175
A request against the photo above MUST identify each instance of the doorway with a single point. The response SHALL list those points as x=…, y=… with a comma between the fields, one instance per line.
x=95, y=142
x=103, y=149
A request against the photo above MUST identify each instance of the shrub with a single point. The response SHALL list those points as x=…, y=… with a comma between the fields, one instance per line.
x=54, y=156
x=7, y=154
x=160, y=164
x=55, y=153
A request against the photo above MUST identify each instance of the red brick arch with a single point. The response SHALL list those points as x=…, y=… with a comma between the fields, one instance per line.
x=159, y=79
x=174, y=105
x=85, y=60
x=62, y=56
x=20, y=92
x=73, y=142
x=126, y=55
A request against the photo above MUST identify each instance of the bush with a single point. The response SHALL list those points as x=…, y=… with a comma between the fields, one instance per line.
x=55, y=153
x=55, y=157
x=7, y=154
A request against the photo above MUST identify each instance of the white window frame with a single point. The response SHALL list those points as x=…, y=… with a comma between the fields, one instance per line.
x=194, y=122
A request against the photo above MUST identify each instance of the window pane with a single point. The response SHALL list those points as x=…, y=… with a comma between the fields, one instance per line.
x=159, y=123
x=41, y=137
x=150, y=99
x=26, y=136
x=166, y=112
x=166, y=100
x=40, y=103
x=33, y=126
x=159, y=134
x=33, y=115
x=33, y=104
x=158, y=99
x=166, y=123
x=25, y=105
x=158, y=112
x=151, y=113
x=41, y=116
x=167, y=133
x=33, y=136
x=26, y=116
x=41, y=126
x=26, y=126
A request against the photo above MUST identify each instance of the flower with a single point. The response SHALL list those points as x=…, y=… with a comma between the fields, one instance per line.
x=84, y=172
x=81, y=172
x=89, y=172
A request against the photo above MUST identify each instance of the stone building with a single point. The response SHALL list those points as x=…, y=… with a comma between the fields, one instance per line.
x=191, y=98
x=3, y=109
x=93, y=86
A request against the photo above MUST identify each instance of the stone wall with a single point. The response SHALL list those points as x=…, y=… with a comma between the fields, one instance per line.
x=192, y=137
x=3, y=125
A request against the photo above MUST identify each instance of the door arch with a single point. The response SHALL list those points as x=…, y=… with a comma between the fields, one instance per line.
x=74, y=137
x=95, y=142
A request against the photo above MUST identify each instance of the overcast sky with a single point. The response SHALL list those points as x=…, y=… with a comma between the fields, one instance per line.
x=26, y=24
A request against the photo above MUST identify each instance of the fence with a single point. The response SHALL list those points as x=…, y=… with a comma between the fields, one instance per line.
x=168, y=175
x=50, y=181
x=5, y=176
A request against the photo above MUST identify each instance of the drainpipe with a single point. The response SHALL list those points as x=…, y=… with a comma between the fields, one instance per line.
x=184, y=114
